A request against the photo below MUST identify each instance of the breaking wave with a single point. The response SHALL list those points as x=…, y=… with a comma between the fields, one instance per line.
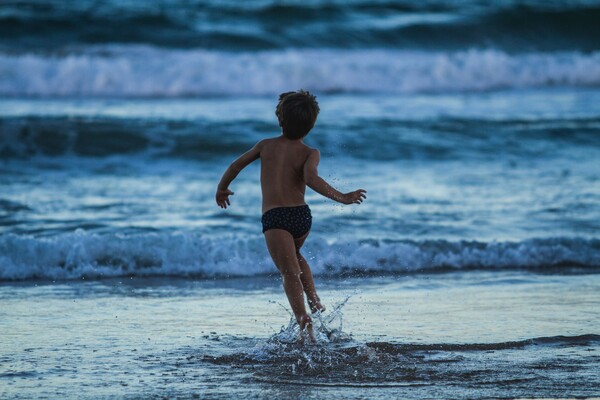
x=139, y=71
x=89, y=255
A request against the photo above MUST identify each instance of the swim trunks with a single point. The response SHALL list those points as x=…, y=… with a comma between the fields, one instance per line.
x=295, y=220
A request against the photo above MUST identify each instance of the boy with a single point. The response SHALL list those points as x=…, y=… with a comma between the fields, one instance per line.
x=287, y=167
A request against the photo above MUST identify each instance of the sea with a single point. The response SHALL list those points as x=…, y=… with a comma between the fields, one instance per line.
x=472, y=270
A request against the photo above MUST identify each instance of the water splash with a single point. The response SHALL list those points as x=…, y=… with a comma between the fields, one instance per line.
x=337, y=360
x=293, y=354
x=327, y=327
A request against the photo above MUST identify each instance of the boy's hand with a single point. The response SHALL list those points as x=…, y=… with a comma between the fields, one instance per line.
x=222, y=197
x=356, y=197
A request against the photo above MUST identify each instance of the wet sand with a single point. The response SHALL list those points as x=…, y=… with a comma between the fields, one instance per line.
x=444, y=335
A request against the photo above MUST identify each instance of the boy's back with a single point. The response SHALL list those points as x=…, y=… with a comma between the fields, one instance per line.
x=282, y=172
x=287, y=167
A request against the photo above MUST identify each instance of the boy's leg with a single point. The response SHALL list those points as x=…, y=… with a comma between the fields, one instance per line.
x=307, y=279
x=309, y=285
x=283, y=252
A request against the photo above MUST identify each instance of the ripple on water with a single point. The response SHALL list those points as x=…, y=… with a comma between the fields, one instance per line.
x=337, y=360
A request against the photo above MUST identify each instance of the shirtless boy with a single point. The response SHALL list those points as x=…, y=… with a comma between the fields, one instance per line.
x=287, y=167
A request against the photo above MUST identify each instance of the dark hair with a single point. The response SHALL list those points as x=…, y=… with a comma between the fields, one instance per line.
x=297, y=113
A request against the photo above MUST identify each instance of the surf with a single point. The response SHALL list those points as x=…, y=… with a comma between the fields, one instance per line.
x=135, y=71
x=100, y=256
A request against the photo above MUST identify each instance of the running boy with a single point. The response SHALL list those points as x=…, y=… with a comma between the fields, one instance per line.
x=287, y=167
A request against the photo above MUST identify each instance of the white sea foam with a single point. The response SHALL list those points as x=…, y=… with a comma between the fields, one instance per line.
x=81, y=254
x=139, y=71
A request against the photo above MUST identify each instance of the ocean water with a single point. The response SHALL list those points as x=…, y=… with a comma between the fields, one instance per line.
x=472, y=270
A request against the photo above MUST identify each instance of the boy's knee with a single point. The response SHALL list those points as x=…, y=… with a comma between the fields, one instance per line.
x=291, y=273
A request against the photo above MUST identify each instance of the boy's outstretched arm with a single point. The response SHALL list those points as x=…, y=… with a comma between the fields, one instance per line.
x=318, y=184
x=223, y=193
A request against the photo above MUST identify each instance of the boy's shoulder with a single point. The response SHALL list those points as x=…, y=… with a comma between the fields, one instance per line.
x=263, y=143
x=277, y=139
x=266, y=141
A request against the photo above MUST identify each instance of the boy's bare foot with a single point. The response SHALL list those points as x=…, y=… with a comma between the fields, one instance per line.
x=315, y=305
x=305, y=323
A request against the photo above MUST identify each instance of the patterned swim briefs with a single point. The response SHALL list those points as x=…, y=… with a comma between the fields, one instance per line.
x=295, y=220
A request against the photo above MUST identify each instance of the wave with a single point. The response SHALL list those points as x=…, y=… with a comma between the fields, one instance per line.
x=89, y=255
x=153, y=72
x=99, y=137
x=431, y=139
x=263, y=25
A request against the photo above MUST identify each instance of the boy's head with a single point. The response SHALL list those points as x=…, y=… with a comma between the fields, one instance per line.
x=297, y=113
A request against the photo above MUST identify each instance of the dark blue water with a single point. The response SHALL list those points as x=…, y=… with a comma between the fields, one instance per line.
x=118, y=187
x=174, y=48
x=474, y=127
x=519, y=26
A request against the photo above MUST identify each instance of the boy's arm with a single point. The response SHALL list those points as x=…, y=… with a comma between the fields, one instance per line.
x=318, y=184
x=223, y=193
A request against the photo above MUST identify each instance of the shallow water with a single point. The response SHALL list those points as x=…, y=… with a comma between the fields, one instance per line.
x=444, y=335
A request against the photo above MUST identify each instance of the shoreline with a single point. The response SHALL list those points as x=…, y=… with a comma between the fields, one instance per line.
x=453, y=335
x=234, y=281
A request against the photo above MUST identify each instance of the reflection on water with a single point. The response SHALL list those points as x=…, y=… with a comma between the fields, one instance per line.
x=479, y=334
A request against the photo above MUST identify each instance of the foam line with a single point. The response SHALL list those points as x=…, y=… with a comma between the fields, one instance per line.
x=141, y=71
x=82, y=254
